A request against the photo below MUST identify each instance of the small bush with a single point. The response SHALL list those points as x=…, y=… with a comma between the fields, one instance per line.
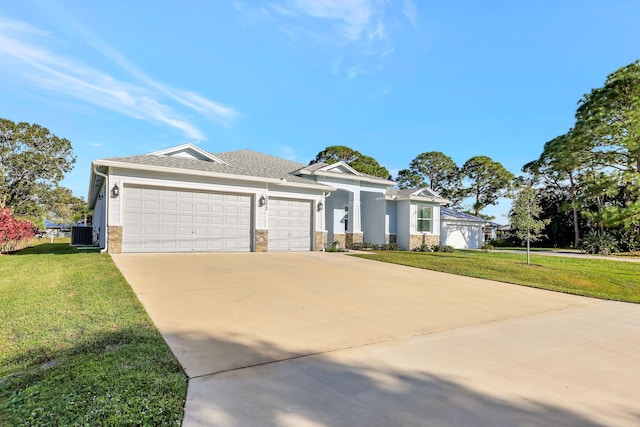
x=423, y=248
x=596, y=243
x=500, y=243
x=390, y=247
x=442, y=248
x=487, y=246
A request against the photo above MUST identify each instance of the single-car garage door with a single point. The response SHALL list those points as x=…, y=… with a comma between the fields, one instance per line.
x=462, y=236
x=289, y=225
x=177, y=220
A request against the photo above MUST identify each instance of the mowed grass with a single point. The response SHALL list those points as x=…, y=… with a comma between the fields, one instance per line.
x=77, y=347
x=612, y=280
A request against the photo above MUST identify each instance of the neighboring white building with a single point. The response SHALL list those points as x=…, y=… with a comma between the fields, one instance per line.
x=461, y=230
x=185, y=199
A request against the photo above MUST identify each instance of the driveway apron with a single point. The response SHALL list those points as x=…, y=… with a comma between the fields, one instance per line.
x=318, y=339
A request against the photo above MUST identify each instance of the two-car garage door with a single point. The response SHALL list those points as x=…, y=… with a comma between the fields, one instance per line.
x=176, y=220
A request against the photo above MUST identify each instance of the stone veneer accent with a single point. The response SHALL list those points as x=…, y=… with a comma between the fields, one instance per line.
x=262, y=240
x=351, y=238
x=321, y=240
x=340, y=239
x=114, y=245
x=416, y=240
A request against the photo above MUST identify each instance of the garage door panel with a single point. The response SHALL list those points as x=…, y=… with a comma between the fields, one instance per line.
x=289, y=225
x=169, y=220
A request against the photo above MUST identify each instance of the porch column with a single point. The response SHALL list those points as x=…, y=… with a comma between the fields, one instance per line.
x=354, y=233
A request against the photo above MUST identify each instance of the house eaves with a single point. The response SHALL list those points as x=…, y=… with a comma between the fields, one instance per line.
x=191, y=172
x=335, y=175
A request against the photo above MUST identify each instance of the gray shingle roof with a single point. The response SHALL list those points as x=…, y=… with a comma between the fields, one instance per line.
x=242, y=162
x=450, y=213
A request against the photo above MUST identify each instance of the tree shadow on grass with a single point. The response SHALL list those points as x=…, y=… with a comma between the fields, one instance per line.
x=54, y=249
x=323, y=390
x=122, y=377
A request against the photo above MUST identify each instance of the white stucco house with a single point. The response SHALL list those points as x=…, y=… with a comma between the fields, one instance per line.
x=185, y=199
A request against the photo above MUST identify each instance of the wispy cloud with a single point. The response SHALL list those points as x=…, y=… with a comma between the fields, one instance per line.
x=359, y=34
x=28, y=57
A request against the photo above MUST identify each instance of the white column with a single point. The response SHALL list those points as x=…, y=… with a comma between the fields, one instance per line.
x=355, y=220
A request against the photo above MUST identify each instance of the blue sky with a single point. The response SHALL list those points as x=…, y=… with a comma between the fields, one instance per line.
x=391, y=79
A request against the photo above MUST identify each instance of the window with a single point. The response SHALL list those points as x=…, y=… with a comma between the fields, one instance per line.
x=424, y=218
x=346, y=218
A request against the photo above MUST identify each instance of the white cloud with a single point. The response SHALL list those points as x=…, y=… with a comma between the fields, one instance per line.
x=27, y=58
x=362, y=30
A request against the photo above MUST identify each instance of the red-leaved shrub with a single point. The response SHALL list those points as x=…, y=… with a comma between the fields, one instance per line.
x=14, y=233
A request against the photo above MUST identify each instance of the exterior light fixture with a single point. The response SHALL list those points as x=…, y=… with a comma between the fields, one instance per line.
x=115, y=191
x=320, y=206
x=262, y=201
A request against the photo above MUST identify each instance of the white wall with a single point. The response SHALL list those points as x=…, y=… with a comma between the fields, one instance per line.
x=403, y=212
x=98, y=224
x=373, y=217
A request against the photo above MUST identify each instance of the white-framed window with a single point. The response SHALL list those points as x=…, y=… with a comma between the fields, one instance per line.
x=424, y=219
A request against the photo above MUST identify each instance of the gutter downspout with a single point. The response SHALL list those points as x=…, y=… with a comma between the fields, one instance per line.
x=324, y=217
x=106, y=208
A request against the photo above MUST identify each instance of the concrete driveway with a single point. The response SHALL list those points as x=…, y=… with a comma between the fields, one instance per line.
x=317, y=339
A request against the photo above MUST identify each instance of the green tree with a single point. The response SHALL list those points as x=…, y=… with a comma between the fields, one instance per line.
x=63, y=207
x=407, y=179
x=435, y=170
x=355, y=159
x=525, y=213
x=32, y=163
x=559, y=168
x=608, y=122
x=488, y=181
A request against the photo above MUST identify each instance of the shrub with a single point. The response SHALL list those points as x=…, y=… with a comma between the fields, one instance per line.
x=423, y=248
x=596, y=243
x=500, y=243
x=390, y=247
x=14, y=233
x=442, y=248
x=487, y=246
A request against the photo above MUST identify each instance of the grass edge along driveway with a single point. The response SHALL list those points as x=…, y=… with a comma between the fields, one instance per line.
x=610, y=280
x=78, y=348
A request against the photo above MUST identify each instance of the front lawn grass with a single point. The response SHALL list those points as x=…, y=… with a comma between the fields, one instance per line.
x=613, y=280
x=77, y=347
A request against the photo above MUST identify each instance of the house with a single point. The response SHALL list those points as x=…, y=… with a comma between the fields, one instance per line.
x=461, y=230
x=185, y=199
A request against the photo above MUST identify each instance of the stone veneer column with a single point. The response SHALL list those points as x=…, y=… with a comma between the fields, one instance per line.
x=417, y=240
x=114, y=245
x=353, y=238
x=338, y=238
x=262, y=240
x=321, y=240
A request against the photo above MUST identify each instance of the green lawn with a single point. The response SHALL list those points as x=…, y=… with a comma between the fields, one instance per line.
x=76, y=346
x=614, y=280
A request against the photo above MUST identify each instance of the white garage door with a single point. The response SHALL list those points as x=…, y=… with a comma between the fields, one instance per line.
x=289, y=225
x=462, y=236
x=172, y=220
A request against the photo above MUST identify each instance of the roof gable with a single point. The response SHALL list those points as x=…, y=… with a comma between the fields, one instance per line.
x=340, y=167
x=188, y=151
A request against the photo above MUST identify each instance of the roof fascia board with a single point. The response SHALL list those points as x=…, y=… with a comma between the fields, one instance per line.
x=338, y=164
x=188, y=146
x=352, y=177
x=176, y=171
